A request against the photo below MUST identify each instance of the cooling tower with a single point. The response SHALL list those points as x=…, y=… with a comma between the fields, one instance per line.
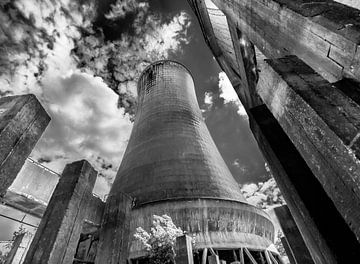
x=172, y=166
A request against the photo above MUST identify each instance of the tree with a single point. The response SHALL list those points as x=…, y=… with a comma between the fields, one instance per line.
x=160, y=241
x=3, y=257
x=266, y=195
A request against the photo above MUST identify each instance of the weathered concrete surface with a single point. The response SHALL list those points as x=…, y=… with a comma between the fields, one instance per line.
x=288, y=250
x=169, y=123
x=59, y=231
x=114, y=245
x=22, y=122
x=232, y=49
x=312, y=209
x=323, y=123
x=183, y=249
x=214, y=223
x=213, y=259
x=35, y=181
x=325, y=34
x=187, y=179
x=293, y=237
x=94, y=214
x=32, y=189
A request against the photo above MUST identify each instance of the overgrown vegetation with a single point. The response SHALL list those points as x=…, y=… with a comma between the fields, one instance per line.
x=160, y=241
x=20, y=231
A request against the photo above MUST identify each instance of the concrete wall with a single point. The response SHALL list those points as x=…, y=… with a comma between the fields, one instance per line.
x=35, y=181
x=217, y=224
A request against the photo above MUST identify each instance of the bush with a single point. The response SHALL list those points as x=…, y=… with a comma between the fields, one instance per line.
x=160, y=241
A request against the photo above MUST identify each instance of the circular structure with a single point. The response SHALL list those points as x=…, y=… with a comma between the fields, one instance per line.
x=172, y=166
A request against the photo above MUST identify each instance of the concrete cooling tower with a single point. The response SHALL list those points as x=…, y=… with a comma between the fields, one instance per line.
x=172, y=166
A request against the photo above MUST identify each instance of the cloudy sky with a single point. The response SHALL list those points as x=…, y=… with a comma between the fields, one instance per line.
x=82, y=60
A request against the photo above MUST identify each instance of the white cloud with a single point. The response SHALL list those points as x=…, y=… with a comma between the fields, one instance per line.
x=37, y=39
x=208, y=98
x=227, y=92
x=121, y=61
x=86, y=123
x=168, y=37
x=121, y=8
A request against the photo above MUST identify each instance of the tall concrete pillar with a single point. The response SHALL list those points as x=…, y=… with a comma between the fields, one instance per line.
x=184, y=252
x=323, y=124
x=288, y=251
x=324, y=34
x=313, y=211
x=59, y=231
x=14, y=249
x=19, y=248
x=113, y=245
x=294, y=240
x=22, y=122
x=213, y=259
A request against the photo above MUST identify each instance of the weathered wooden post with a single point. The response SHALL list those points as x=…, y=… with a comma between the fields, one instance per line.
x=294, y=240
x=58, y=233
x=22, y=122
x=184, y=253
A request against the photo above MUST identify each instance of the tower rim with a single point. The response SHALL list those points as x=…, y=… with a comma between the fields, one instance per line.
x=162, y=62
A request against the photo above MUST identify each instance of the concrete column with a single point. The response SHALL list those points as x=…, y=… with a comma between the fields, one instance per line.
x=288, y=250
x=323, y=34
x=323, y=124
x=113, y=245
x=214, y=259
x=22, y=122
x=293, y=237
x=19, y=248
x=14, y=249
x=183, y=248
x=59, y=231
x=314, y=212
